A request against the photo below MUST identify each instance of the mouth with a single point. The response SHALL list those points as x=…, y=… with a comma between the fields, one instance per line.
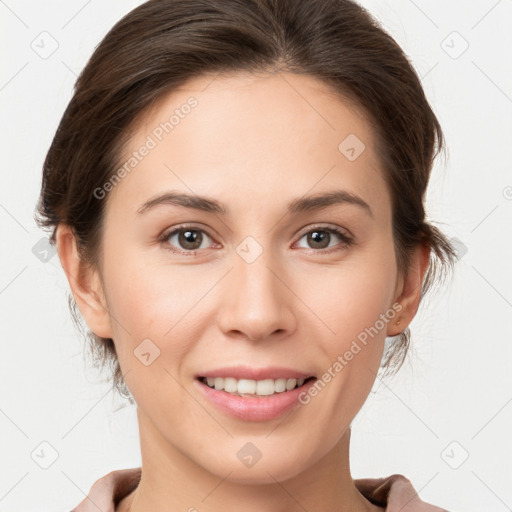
x=255, y=388
x=254, y=394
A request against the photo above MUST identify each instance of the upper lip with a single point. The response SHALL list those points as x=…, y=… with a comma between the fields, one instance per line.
x=251, y=373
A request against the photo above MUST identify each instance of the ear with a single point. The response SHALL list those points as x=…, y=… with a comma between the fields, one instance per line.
x=409, y=290
x=84, y=282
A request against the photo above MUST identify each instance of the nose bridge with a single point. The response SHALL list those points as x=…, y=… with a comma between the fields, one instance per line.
x=256, y=303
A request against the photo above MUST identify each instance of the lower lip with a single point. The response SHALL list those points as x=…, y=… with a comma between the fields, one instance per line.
x=254, y=408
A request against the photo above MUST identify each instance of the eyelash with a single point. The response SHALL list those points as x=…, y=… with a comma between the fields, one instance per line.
x=346, y=239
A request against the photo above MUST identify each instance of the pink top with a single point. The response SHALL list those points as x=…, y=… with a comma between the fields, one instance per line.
x=394, y=492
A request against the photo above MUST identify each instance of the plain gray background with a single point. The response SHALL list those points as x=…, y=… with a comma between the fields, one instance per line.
x=444, y=421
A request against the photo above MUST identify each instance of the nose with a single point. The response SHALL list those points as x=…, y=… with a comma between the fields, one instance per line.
x=257, y=304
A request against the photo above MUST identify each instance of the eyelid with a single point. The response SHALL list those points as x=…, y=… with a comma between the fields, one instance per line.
x=327, y=227
x=198, y=227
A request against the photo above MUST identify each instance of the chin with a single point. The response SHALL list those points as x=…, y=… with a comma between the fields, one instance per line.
x=268, y=469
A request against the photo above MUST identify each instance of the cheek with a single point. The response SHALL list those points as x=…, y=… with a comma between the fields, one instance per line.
x=354, y=306
x=144, y=302
x=152, y=322
x=350, y=298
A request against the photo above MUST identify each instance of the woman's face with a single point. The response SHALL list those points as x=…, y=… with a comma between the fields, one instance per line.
x=255, y=285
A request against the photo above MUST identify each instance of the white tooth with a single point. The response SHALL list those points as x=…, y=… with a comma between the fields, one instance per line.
x=230, y=385
x=246, y=386
x=252, y=387
x=290, y=384
x=280, y=385
x=265, y=387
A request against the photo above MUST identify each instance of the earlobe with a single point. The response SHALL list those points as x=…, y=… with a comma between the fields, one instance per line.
x=410, y=292
x=84, y=282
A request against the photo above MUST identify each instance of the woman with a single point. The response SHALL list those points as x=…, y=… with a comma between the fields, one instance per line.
x=236, y=195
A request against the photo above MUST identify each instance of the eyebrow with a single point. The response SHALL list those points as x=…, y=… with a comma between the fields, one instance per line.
x=300, y=205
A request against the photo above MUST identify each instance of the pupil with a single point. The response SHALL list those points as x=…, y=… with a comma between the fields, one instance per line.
x=190, y=238
x=319, y=237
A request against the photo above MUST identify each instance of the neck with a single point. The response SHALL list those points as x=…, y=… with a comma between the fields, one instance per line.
x=172, y=481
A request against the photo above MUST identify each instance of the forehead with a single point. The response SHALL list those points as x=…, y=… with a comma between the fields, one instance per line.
x=252, y=136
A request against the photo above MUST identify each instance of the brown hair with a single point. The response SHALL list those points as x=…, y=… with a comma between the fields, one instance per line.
x=163, y=43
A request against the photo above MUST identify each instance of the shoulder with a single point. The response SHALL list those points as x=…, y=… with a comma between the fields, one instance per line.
x=109, y=490
x=394, y=492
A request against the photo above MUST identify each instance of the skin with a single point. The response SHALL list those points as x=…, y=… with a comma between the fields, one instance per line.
x=254, y=143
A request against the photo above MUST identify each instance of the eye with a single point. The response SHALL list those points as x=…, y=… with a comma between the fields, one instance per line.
x=189, y=239
x=320, y=238
x=185, y=239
